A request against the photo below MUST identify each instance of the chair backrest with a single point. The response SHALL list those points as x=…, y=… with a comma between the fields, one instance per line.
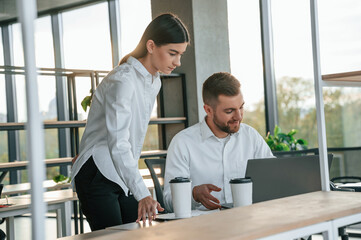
x=156, y=168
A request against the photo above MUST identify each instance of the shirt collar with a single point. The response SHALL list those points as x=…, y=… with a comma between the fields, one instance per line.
x=140, y=68
x=206, y=132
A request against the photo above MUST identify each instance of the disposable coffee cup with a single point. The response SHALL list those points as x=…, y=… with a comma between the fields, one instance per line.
x=181, y=197
x=241, y=191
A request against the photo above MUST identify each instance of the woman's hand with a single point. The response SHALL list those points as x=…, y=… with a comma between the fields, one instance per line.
x=148, y=206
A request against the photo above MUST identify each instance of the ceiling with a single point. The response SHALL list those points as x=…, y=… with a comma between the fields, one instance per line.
x=8, y=12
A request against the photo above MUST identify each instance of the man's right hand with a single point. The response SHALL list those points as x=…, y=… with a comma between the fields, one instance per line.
x=202, y=194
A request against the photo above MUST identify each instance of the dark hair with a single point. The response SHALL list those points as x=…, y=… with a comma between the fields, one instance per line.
x=164, y=29
x=221, y=83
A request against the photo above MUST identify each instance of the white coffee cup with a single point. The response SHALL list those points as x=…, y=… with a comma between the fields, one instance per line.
x=241, y=191
x=181, y=197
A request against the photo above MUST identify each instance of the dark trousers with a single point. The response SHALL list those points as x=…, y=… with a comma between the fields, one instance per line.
x=102, y=201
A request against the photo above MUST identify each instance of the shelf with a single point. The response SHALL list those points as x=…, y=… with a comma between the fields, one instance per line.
x=346, y=79
x=77, y=124
x=19, y=165
x=346, y=76
x=153, y=153
x=167, y=120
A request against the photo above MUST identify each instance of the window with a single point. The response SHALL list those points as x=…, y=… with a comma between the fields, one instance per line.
x=132, y=25
x=1, y=49
x=44, y=50
x=246, y=58
x=340, y=35
x=294, y=68
x=87, y=38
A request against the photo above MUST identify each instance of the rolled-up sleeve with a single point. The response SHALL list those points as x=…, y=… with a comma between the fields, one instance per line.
x=118, y=116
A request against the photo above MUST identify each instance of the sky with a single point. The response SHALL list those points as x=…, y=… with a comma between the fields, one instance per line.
x=86, y=42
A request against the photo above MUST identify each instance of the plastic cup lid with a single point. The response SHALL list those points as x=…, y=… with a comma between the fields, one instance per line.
x=241, y=180
x=179, y=180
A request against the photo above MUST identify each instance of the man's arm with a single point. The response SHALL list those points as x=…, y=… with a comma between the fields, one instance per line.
x=177, y=165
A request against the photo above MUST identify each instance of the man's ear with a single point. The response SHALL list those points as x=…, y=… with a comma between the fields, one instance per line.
x=208, y=109
x=150, y=46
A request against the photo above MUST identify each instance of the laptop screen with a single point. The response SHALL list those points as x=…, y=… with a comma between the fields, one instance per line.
x=284, y=176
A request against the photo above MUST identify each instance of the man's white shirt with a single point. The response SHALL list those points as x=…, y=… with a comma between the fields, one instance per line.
x=196, y=153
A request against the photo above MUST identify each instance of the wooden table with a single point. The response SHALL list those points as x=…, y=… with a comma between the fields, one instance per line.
x=285, y=218
x=26, y=187
x=56, y=200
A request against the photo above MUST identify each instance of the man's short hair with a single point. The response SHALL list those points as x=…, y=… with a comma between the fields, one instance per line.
x=221, y=83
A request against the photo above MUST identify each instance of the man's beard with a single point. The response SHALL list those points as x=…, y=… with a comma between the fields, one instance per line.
x=225, y=128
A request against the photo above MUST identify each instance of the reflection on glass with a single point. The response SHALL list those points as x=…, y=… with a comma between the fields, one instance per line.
x=3, y=110
x=86, y=38
x=340, y=35
x=246, y=58
x=47, y=97
x=44, y=50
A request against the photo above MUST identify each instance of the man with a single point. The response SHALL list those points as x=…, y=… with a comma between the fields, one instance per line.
x=215, y=150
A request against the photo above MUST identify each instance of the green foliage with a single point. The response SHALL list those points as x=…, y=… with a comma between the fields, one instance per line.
x=61, y=179
x=285, y=142
x=87, y=101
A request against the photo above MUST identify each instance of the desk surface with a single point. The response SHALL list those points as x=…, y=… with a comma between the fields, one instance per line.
x=24, y=201
x=26, y=187
x=251, y=222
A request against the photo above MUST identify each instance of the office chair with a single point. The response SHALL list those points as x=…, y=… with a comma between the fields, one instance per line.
x=152, y=164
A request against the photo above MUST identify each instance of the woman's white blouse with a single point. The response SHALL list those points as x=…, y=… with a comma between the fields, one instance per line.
x=117, y=124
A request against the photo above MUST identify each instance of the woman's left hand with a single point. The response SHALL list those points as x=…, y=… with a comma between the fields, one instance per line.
x=148, y=206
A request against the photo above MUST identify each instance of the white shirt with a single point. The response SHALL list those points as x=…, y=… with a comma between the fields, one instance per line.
x=196, y=153
x=117, y=124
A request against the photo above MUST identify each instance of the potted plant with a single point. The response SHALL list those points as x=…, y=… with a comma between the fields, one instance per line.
x=285, y=141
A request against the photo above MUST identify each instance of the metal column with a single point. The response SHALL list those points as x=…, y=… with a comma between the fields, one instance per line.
x=320, y=111
x=61, y=100
x=11, y=103
x=271, y=110
x=114, y=23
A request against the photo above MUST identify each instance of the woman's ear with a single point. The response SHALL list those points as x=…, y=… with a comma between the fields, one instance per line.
x=150, y=46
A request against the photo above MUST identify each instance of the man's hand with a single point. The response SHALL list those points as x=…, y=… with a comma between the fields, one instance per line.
x=147, y=206
x=202, y=194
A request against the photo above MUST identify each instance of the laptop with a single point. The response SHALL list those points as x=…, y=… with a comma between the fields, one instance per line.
x=284, y=176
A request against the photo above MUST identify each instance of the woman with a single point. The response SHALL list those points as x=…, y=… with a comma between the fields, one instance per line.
x=109, y=186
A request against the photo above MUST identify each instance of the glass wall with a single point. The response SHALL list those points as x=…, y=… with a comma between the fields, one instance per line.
x=87, y=38
x=246, y=58
x=293, y=66
x=340, y=35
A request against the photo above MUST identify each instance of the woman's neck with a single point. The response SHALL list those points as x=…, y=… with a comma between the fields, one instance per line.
x=148, y=64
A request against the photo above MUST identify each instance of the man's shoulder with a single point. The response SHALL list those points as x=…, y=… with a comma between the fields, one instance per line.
x=247, y=128
x=189, y=133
